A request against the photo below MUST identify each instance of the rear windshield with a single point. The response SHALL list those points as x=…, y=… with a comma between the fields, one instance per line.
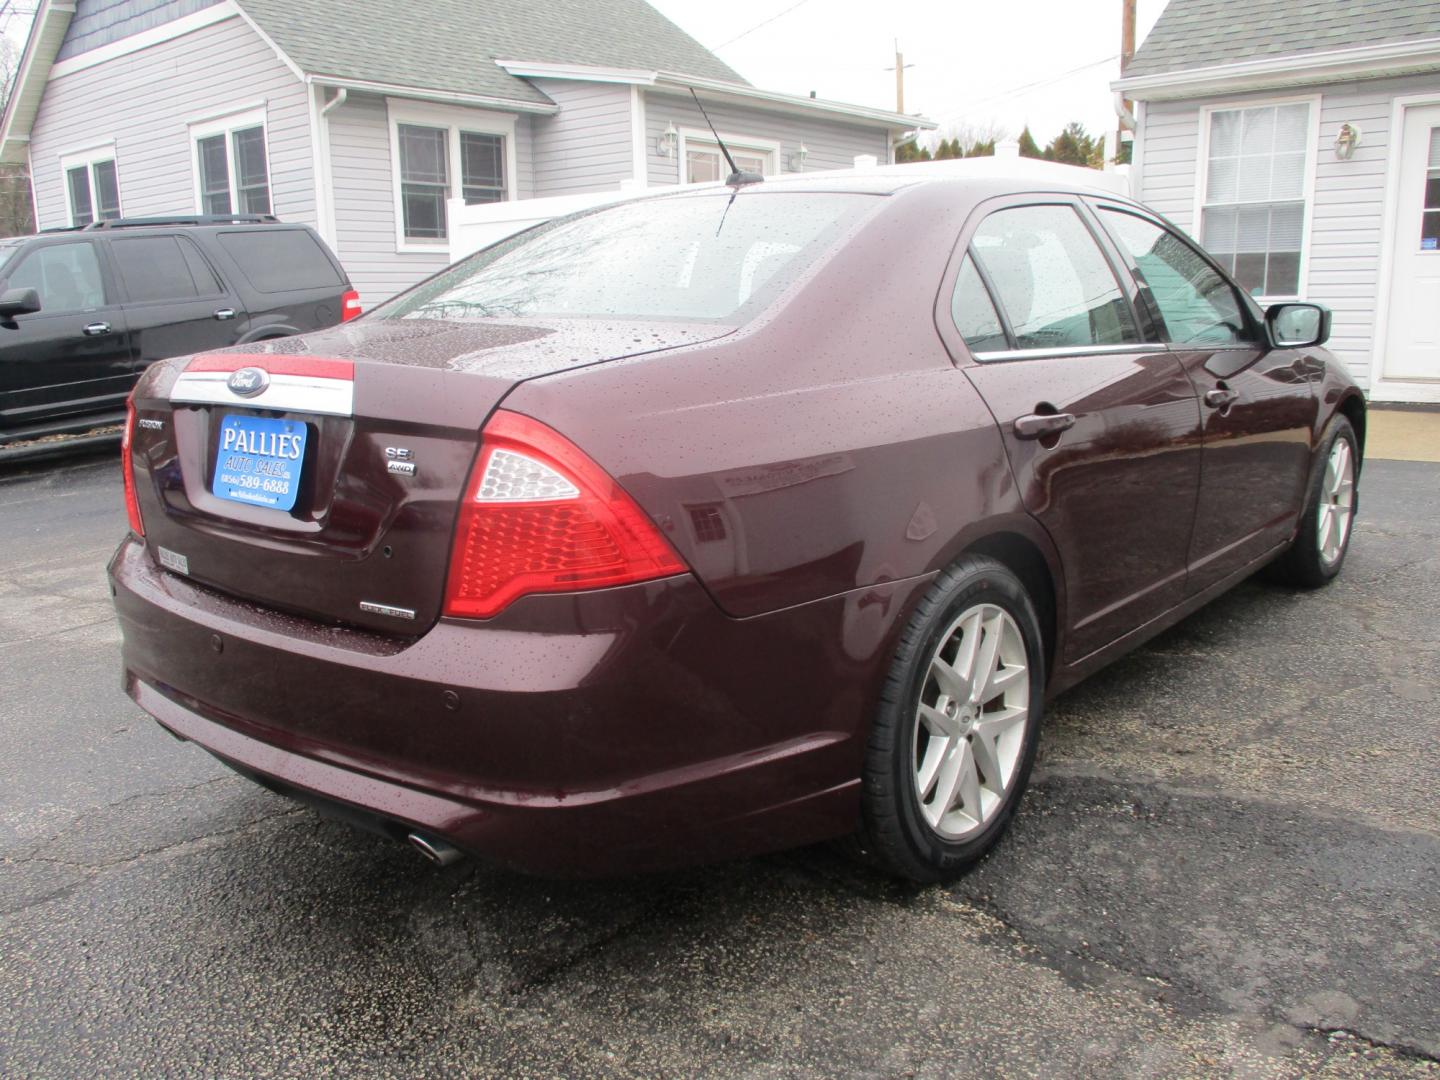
x=281, y=260
x=701, y=258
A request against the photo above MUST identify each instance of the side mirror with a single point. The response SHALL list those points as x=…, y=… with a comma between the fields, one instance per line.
x=18, y=302
x=1297, y=326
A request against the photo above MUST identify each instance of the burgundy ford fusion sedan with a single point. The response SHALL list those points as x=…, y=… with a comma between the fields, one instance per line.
x=722, y=521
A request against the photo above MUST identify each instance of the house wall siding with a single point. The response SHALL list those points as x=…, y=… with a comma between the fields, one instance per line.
x=145, y=103
x=829, y=145
x=102, y=22
x=586, y=145
x=1347, y=215
x=364, y=194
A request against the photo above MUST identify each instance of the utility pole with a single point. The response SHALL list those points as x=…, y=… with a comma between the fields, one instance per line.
x=899, y=70
x=1127, y=50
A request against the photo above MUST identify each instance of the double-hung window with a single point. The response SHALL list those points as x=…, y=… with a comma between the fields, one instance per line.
x=232, y=168
x=92, y=186
x=442, y=154
x=1252, y=215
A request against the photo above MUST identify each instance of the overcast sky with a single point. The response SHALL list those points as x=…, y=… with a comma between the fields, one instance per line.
x=975, y=60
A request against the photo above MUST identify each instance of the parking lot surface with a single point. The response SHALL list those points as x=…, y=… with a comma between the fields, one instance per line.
x=1228, y=864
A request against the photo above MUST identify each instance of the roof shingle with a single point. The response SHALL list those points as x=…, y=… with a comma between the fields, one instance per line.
x=452, y=45
x=1207, y=33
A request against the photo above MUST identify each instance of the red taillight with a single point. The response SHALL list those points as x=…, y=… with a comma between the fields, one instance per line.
x=349, y=306
x=132, y=505
x=540, y=516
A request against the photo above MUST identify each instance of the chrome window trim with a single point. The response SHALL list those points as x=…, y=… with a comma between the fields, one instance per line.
x=1069, y=350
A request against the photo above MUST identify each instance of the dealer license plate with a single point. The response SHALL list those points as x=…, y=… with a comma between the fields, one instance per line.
x=259, y=461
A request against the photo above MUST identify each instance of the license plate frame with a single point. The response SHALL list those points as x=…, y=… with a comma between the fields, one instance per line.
x=259, y=460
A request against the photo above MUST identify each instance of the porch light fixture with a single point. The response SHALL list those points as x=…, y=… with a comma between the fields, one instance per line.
x=797, y=159
x=1347, y=140
x=669, y=141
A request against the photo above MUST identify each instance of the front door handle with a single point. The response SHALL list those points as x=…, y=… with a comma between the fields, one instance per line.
x=95, y=329
x=1038, y=425
x=1222, y=397
x=225, y=313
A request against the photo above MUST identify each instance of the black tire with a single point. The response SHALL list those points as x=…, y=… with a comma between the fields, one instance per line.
x=1303, y=565
x=895, y=835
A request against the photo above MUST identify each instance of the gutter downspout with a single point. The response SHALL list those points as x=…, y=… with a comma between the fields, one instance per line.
x=325, y=182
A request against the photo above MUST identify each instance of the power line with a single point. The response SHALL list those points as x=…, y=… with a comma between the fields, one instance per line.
x=759, y=25
x=1027, y=87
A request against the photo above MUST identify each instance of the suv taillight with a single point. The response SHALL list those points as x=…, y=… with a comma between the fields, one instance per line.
x=540, y=516
x=127, y=466
x=350, y=306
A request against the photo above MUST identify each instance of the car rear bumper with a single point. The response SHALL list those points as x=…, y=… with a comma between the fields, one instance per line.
x=623, y=729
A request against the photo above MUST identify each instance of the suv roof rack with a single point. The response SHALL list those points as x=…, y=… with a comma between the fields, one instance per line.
x=187, y=219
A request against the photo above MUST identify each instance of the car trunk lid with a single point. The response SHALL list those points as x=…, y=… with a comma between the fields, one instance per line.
x=322, y=475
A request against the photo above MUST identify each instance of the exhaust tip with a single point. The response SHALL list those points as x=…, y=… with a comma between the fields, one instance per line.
x=436, y=850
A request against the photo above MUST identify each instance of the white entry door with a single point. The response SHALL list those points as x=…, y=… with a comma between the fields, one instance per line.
x=1412, y=339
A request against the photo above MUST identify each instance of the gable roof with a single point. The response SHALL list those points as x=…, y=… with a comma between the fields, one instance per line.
x=452, y=45
x=1193, y=34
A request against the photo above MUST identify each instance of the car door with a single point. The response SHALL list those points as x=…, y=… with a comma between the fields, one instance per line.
x=1258, y=404
x=71, y=357
x=1099, y=421
x=175, y=301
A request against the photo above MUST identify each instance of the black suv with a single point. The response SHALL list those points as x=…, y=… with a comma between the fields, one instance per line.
x=84, y=311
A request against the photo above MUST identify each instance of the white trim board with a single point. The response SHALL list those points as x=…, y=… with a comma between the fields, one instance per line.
x=186, y=24
x=1312, y=153
x=1381, y=388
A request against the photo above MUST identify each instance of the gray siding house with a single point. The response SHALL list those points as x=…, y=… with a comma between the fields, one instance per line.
x=363, y=118
x=1300, y=141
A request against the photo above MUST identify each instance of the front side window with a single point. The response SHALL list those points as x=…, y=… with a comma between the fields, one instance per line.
x=94, y=190
x=67, y=277
x=1197, y=305
x=1051, y=279
x=700, y=258
x=1253, y=216
x=233, y=169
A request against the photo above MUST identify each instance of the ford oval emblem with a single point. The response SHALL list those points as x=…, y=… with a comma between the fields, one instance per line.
x=248, y=381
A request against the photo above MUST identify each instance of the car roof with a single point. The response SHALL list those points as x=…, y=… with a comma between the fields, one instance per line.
x=1021, y=174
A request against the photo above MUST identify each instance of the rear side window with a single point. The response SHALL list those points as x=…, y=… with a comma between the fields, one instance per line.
x=1198, y=306
x=701, y=257
x=162, y=268
x=1051, y=279
x=67, y=277
x=281, y=260
x=973, y=312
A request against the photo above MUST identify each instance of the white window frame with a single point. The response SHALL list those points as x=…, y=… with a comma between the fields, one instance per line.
x=227, y=124
x=88, y=158
x=1312, y=143
x=454, y=119
x=750, y=143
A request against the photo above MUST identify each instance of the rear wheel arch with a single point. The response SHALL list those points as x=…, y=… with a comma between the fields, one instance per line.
x=1024, y=558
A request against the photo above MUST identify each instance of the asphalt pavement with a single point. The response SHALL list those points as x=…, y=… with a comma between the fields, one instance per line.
x=1228, y=864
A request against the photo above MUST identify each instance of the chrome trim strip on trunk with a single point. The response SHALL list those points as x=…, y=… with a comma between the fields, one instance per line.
x=286, y=393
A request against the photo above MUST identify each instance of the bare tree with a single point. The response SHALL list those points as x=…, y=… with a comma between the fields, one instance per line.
x=17, y=216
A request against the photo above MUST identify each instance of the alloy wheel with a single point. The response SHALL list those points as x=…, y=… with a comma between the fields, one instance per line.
x=1337, y=501
x=970, y=722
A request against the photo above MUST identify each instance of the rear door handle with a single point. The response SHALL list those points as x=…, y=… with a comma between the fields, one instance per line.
x=225, y=313
x=95, y=329
x=1038, y=425
x=1222, y=397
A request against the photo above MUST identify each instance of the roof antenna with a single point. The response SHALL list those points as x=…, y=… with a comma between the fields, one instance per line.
x=736, y=177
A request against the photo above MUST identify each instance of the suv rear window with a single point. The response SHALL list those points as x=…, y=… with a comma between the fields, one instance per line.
x=281, y=260
x=693, y=258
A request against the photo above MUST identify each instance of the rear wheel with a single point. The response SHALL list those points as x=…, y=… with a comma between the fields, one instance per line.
x=954, y=738
x=1323, y=538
